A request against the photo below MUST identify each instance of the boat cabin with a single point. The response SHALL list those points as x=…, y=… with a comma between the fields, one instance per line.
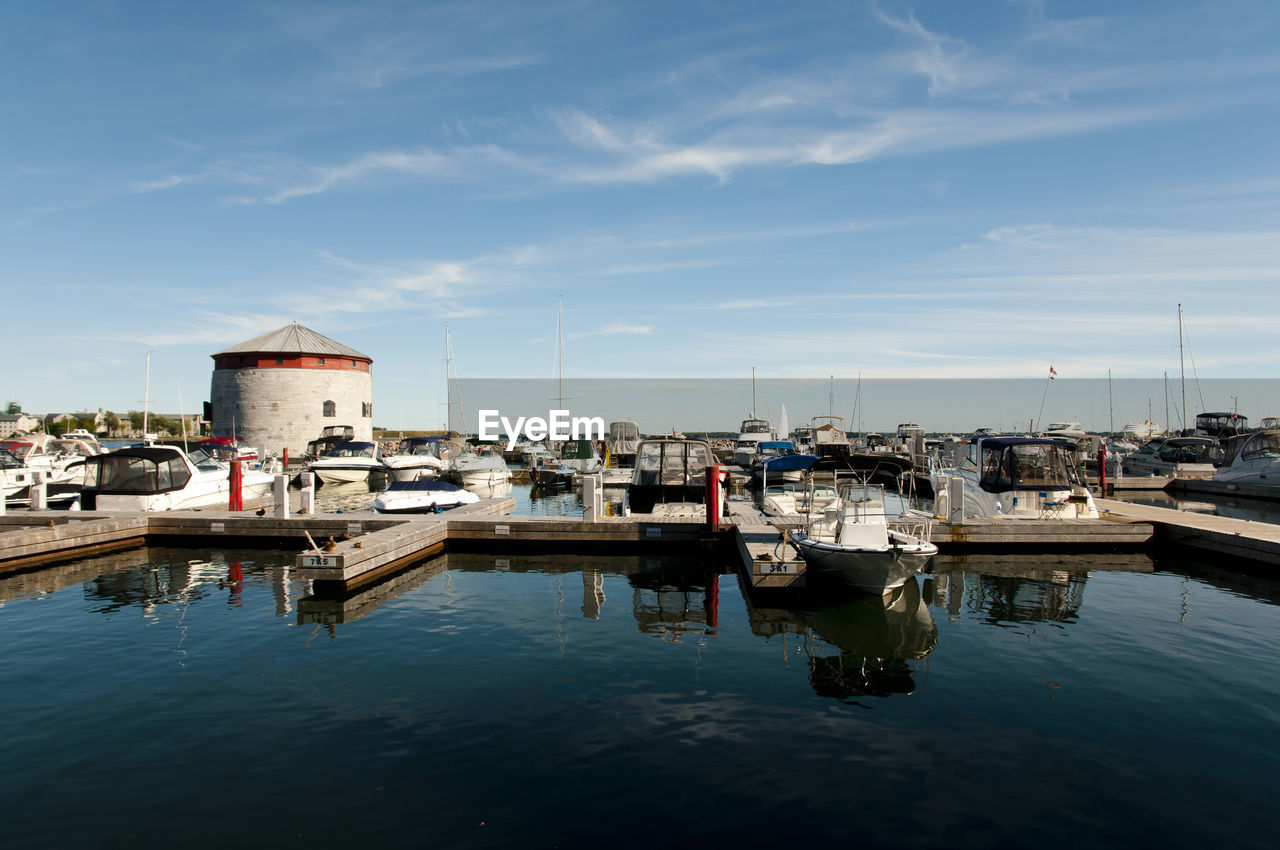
x=1220, y=424
x=669, y=471
x=330, y=436
x=1250, y=447
x=1021, y=463
x=147, y=470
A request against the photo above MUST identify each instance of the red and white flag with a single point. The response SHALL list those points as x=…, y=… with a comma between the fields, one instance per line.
x=1053, y=373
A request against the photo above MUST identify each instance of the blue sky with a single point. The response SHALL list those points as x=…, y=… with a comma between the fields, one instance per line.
x=897, y=190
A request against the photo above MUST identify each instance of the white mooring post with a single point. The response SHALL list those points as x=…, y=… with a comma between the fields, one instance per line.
x=38, y=492
x=3, y=508
x=955, y=501
x=591, y=497
x=280, y=485
x=307, y=498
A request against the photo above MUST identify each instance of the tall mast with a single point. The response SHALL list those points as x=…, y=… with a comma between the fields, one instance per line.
x=753, y=392
x=1111, y=416
x=1167, y=420
x=1183, y=367
x=448, y=365
x=831, y=398
x=451, y=376
x=146, y=397
x=560, y=350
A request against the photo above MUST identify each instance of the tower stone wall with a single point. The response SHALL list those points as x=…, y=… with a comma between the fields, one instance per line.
x=283, y=408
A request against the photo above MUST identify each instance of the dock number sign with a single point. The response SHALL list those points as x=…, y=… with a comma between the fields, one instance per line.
x=320, y=560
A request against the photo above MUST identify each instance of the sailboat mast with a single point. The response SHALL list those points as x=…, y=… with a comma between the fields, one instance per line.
x=1182, y=364
x=146, y=397
x=560, y=351
x=1111, y=408
x=831, y=398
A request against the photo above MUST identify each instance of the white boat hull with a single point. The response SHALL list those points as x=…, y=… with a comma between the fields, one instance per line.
x=876, y=571
x=342, y=474
x=210, y=493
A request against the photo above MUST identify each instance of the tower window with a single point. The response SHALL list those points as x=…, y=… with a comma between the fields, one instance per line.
x=320, y=360
x=330, y=409
x=279, y=361
x=366, y=409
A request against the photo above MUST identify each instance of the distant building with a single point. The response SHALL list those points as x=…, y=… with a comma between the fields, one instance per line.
x=51, y=419
x=14, y=423
x=280, y=389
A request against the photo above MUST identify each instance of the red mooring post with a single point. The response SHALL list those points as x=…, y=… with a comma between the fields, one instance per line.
x=284, y=462
x=713, y=495
x=236, y=500
x=1102, y=471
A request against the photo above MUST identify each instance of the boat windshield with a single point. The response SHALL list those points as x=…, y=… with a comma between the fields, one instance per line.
x=9, y=460
x=672, y=462
x=1262, y=444
x=1024, y=466
x=1191, y=451
x=352, y=450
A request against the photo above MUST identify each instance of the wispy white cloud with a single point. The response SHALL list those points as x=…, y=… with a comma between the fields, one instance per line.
x=939, y=59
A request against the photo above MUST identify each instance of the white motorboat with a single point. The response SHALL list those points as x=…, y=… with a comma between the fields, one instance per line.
x=23, y=462
x=347, y=463
x=1144, y=430
x=1065, y=430
x=1177, y=457
x=855, y=546
x=421, y=496
x=164, y=478
x=1017, y=477
x=1251, y=459
x=576, y=457
x=482, y=470
x=751, y=433
x=415, y=458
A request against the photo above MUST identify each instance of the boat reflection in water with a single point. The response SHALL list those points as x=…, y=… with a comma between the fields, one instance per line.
x=1019, y=589
x=858, y=645
x=670, y=596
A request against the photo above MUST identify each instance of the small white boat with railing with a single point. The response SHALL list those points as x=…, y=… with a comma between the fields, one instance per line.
x=855, y=544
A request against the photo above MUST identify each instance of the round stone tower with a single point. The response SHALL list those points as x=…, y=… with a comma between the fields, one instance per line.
x=281, y=389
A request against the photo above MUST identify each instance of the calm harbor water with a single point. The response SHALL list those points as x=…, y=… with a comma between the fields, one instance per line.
x=637, y=701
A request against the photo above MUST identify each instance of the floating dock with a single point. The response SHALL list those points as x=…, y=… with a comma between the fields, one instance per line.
x=348, y=551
